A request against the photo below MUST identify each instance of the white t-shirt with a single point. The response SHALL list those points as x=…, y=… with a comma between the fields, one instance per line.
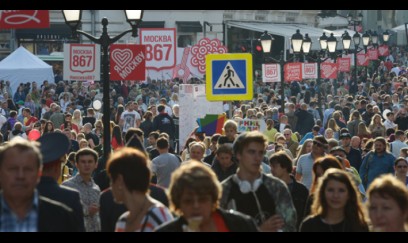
x=129, y=118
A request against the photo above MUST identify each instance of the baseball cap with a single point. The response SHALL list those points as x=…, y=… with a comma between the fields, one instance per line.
x=345, y=135
x=337, y=148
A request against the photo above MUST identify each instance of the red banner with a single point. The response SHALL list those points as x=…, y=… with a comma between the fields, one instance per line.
x=329, y=70
x=293, y=71
x=344, y=64
x=127, y=62
x=24, y=19
x=372, y=54
x=362, y=59
x=383, y=51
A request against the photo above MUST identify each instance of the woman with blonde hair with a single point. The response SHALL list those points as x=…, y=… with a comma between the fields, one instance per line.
x=98, y=130
x=377, y=127
x=363, y=131
x=338, y=117
x=174, y=100
x=77, y=118
x=231, y=132
x=329, y=133
x=29, y=103
x=333, y=125
x=304, y=149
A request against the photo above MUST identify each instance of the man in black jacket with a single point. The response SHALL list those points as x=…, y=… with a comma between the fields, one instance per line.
x=54, y=147
x=306, y=120
x=281, y=167
x=164, y=123
x=22, y=209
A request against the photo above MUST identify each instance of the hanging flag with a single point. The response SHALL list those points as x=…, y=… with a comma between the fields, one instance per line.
x=24, y=19
x=211, y=124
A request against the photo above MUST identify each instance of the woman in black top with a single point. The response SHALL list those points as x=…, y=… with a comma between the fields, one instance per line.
x=336, y=206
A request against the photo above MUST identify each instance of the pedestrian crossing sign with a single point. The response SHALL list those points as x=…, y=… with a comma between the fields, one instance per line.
x=229, y=77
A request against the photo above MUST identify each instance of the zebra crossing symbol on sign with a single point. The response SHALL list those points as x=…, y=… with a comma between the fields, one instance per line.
x=229, y=79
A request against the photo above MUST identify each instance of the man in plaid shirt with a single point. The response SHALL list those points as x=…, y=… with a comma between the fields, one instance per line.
x=22, y=209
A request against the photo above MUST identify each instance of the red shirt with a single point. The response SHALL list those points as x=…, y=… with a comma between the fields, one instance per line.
x=219, y=222
x=30, y=121
x=74, y=127
x=115, y=144
x=388, y=65
x=48, y=102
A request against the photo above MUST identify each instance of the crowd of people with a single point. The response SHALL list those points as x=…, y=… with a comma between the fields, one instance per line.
x=335, y=168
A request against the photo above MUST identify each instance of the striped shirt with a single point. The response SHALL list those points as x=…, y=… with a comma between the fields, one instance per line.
x=155, y=216
x=10, y=222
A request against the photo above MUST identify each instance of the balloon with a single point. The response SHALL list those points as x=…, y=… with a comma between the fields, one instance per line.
x=97, y=104
x=34, y=134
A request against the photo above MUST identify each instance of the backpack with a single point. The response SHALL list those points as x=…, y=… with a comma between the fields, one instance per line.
x=5, y=128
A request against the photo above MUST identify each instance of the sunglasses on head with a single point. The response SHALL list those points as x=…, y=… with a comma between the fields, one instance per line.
x=318, y=144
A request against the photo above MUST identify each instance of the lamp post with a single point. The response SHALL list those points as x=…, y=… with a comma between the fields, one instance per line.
x=266, y=42
x=73, y=19
x=356, y=39
x=326, y=43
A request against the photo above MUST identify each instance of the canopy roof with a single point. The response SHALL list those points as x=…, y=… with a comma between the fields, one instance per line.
x=287, y=30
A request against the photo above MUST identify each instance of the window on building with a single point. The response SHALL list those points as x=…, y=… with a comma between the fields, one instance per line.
x=184, y=40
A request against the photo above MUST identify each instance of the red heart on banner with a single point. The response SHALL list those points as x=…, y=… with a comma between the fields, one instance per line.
x=383, y=50
x=362, y=59
x=328, y=70
x=122, y=57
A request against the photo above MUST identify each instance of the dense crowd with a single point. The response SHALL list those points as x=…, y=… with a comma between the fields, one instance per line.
x=332, y=164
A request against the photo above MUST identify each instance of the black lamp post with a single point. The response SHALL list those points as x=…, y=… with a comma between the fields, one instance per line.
x=356, y=39
x=73, y=19
x=306, y=45
x=266, y=42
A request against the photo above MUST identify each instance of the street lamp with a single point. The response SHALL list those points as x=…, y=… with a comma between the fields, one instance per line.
x=386, y=36
x=266, y=42
x=73, y=19
x=324, y=42
x=356, y=39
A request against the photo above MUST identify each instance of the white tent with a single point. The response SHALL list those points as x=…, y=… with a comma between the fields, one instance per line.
x=401, y=34
x=22, y=66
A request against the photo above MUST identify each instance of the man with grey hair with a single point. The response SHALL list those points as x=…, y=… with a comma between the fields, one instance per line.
x=22, y=209
x=355, y=142
x=57, y=118
x=90, y=136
